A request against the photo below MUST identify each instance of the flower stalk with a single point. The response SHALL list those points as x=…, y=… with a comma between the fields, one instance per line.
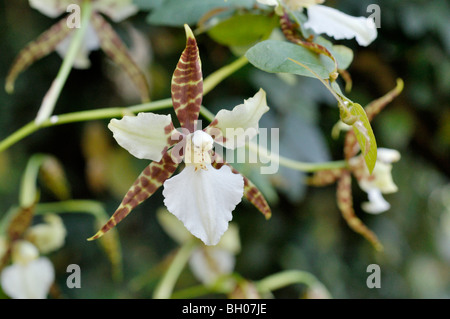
x=49, y=101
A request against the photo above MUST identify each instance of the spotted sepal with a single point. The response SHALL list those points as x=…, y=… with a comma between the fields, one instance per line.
x=151, y=178
x=187, y=84
x=35, y=50
x=345, y=204
x=375, y=107
x=116, y=50
x=251, y=192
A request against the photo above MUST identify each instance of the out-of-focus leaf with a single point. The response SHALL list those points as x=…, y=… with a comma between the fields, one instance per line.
x=343, y=55
x=273, y=56
x=54, y=178
x=147, y=5
x=306, y=144
x=111, y=245
x=243, y=29
x=177, y=13
x=96, y=150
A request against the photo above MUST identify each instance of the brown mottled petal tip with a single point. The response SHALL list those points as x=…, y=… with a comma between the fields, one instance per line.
x=151, y=178
x=345, y=204
x=35, y=50
x=187, y=84
x=113, y=46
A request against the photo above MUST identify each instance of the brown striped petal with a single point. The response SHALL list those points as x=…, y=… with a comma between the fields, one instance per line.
x=351, y=146
x=35, y=50
x=375, y=107
x=345, y=204
x=251, y=192
x=187, y=84
x=113, y=46
x=20, y=222
x=151, y=178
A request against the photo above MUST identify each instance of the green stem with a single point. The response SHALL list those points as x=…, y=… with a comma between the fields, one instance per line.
x=81, y=116
x=167, y=283
x=261, y=151
x=49, y=101
x=73, y=206
x=218, y=76
x=287, y=162
x=28, y=191
x=286, y=278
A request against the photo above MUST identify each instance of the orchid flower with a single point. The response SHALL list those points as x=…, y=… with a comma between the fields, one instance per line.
x=375, y=184
x=99, y=34
x=29, y=276
x=332, y=22
x=379, y=182
x=207, y=190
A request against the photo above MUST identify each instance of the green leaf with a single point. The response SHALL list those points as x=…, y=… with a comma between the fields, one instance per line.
x=273, y=56
x=147, y=5
x=364, y=135
x=342, y=54
x=177, y=13
x=243, y=29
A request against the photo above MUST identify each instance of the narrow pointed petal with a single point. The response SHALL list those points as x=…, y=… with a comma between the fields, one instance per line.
x=234, y=128
x=20, y=222
x=116, y=10
x=30, y=281
x=113, y=46
x=345, y=204
x=336, y=24
x=50, y=8
x=375, y=107
x=187, y=84
x=204, y=199
x=42, y=46
x=251, y=192
x=151, y=178
x=145, y=136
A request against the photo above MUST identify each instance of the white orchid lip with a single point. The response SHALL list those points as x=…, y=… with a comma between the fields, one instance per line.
x=30, y=281
x=203, y=199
